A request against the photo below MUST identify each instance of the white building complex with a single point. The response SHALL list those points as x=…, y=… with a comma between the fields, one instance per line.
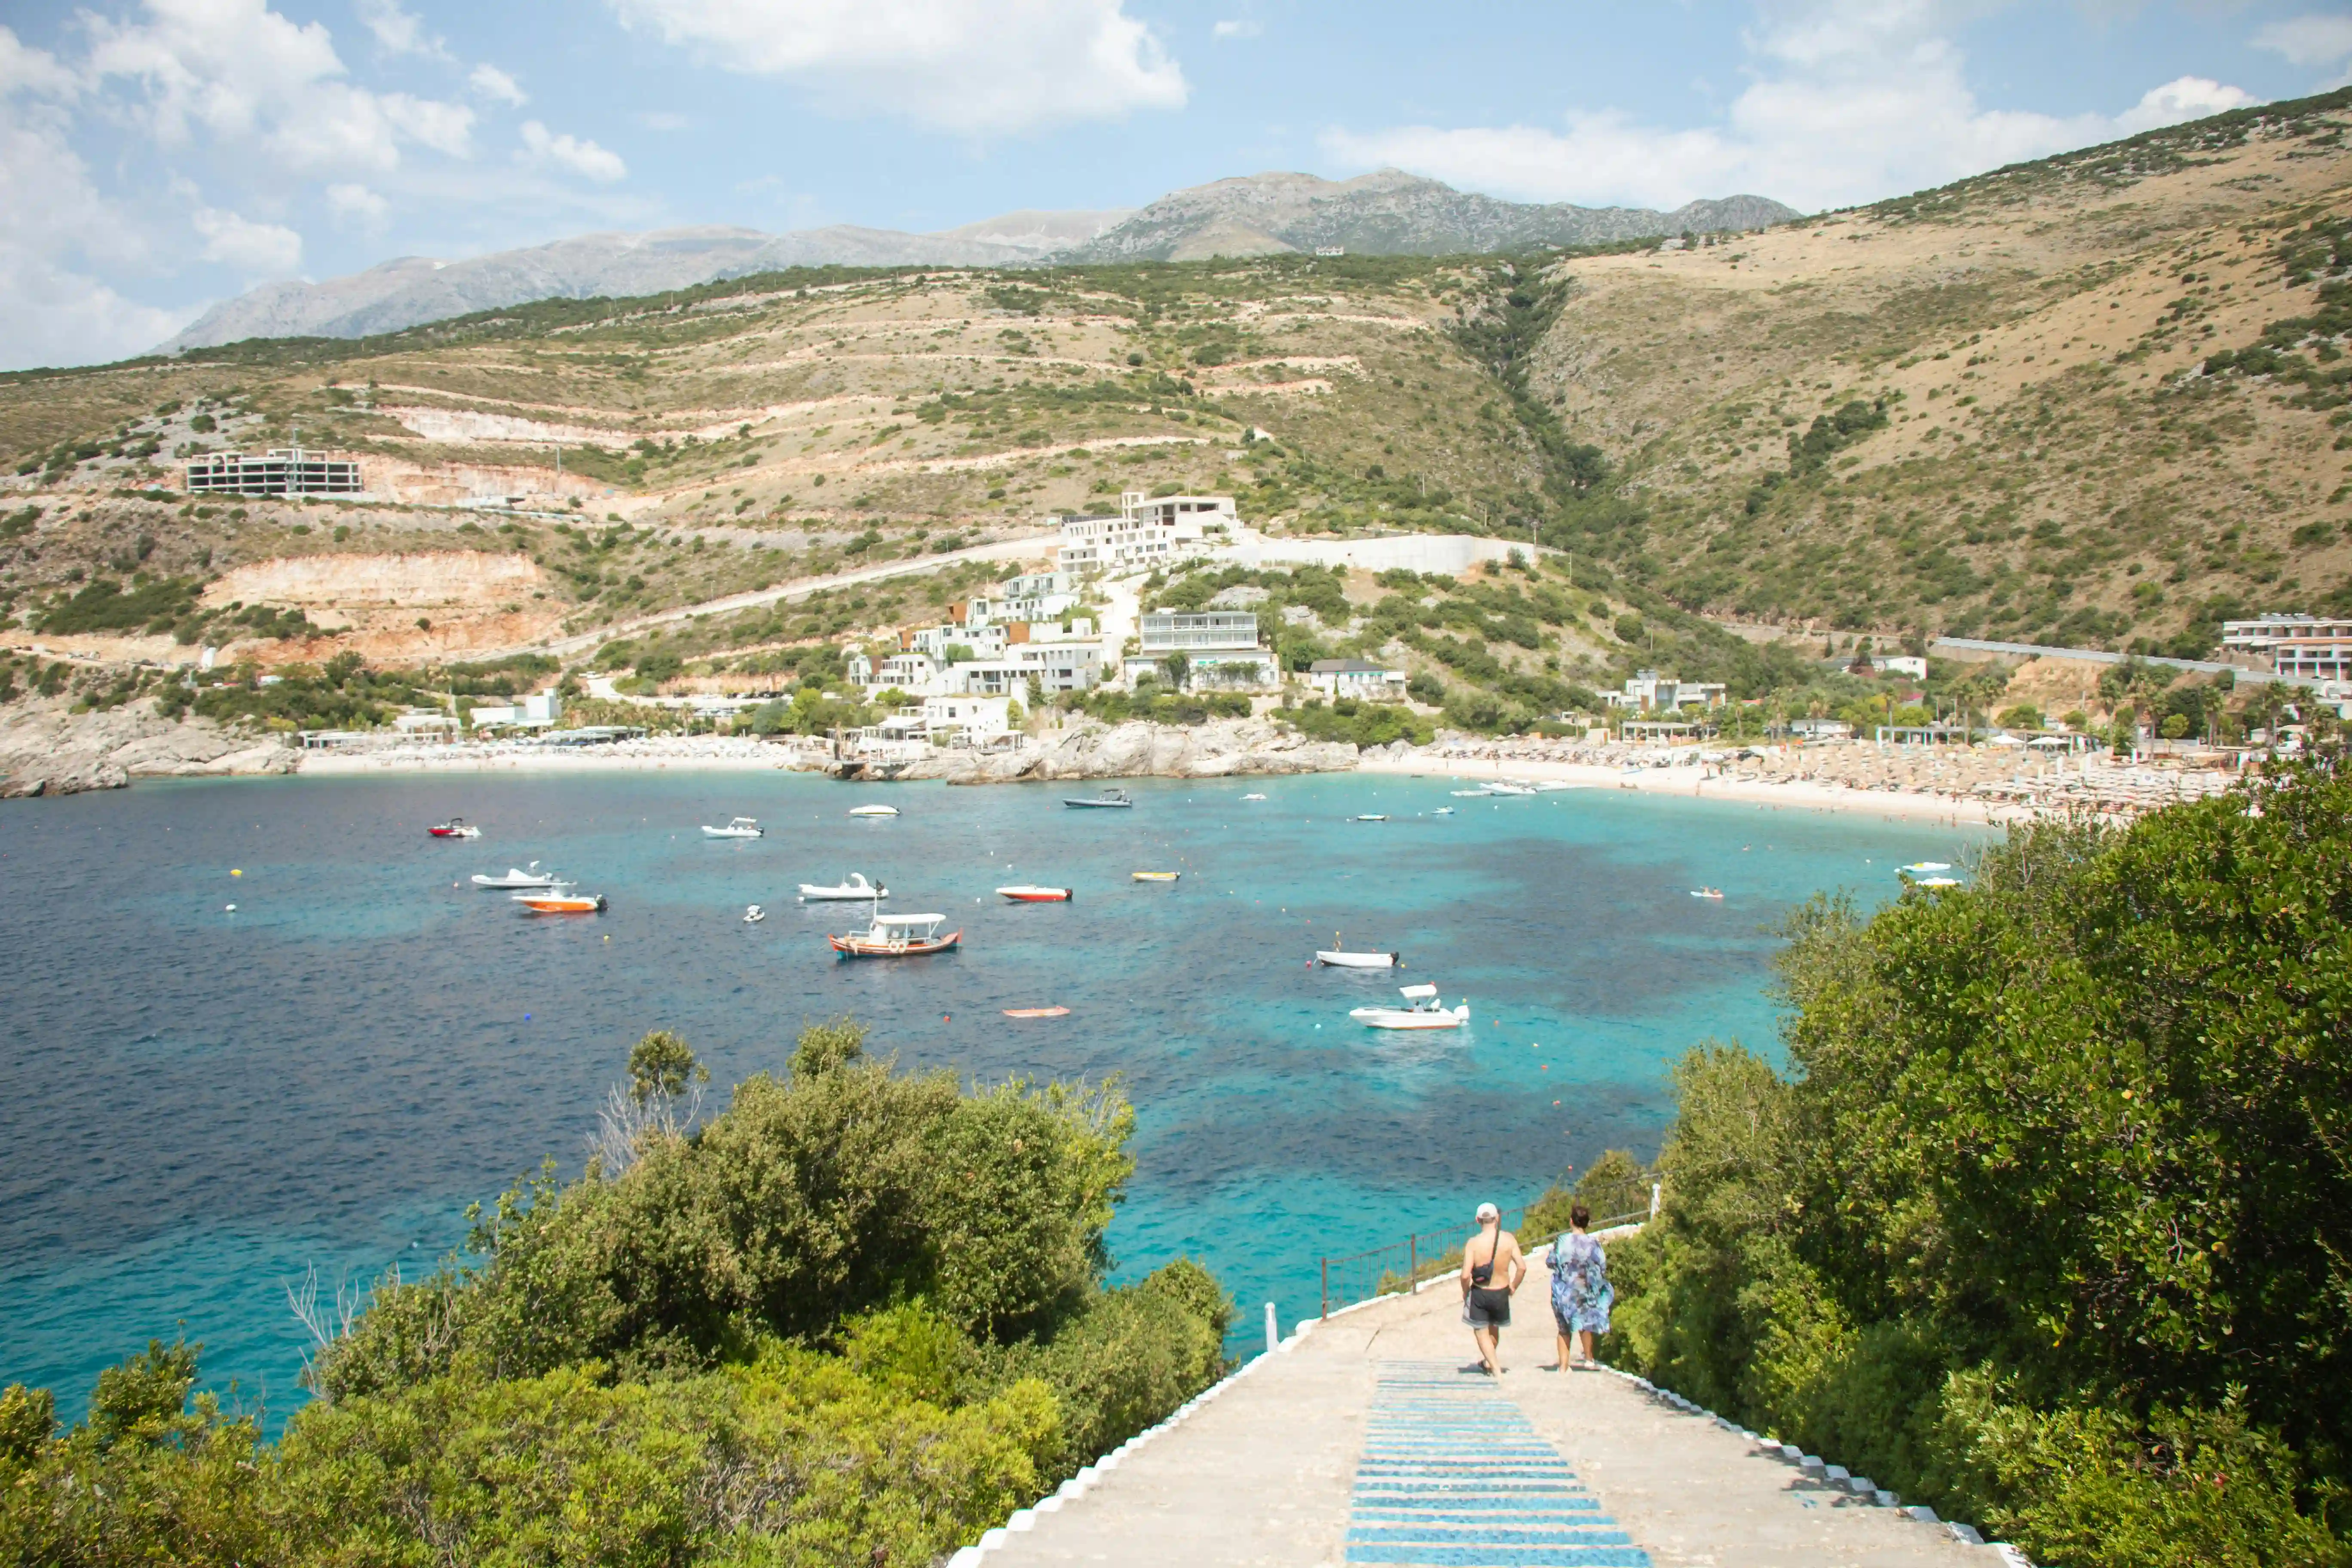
x=1219, y=648
x=2318, y=647
x=1649, y=691
x=1337, y=678
x=1145, y=532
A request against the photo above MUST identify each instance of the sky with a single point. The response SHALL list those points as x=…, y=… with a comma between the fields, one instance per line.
x=157, y=156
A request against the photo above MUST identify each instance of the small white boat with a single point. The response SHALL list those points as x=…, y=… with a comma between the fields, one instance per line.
x=754, y=915
x=1936, y=882
x=737, y=827
x=1154, y=876
x=873, y=811
x=1922, y=869
x=1715, y=893
x=1479, y=793
x=1499, y=787
x=1371, y=816
x=1422, y=1011
x=516, y=877
x=857, y=888
x=1253, y=797
x=1442, y=811
x=1340, y=958
x=1107, y=800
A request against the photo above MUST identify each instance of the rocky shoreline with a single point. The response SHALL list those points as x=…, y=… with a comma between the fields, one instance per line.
x=46, y=749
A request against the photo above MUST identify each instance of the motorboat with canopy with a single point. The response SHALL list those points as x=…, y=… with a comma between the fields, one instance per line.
x=517, y=877
x=896, y=936
x=737, y=827
x=1422, y=1011
x=1104, y=800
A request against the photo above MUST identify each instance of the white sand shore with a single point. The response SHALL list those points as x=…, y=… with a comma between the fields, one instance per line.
x=1697, y=782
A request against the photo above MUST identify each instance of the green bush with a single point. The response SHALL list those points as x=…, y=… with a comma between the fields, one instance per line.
x=855, y=1318
x=2050, y=1227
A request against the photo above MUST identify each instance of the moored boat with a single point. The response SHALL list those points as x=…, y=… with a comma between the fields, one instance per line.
x=1371, y=816
x=1922, y=869
x=754, y=915
x=1340, y=958
x=1715, y=893
x=1036, y=1012
x=857, y=888
x=873, y=811
x=1153, y=876
x=456, y=828
x=1029, y=893
x=737, y=827
x=517, y=877
x=1104, y=800
x=562, y=898
x=896, y=936
x=1422, y=1011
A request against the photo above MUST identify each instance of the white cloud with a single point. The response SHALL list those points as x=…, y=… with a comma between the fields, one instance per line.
x=2314, y=41
x=494, y=83
x=397, y=31
x=358, y=206
x=542, y=148
x=983, y=66
x=256, y=249
x=2309, y=40
x=1849, y=100
x=1240, y=29
x=247, y=76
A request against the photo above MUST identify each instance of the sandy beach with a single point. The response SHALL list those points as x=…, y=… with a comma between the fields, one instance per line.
x=1699, y=783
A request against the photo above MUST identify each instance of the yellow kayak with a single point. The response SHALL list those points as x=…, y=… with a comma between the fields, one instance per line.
x=1157, y=876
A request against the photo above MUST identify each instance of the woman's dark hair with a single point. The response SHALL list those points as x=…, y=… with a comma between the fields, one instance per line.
x=1578, y=1215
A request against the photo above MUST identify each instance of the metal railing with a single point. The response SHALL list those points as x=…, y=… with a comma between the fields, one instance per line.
x=1402, y=1265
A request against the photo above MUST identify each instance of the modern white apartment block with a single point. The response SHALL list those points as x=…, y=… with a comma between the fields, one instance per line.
x=1145, y=532
x=283, y=471
x=2315, y=647
x=1220, y=648
x=1649, y=691
x=1057, y=668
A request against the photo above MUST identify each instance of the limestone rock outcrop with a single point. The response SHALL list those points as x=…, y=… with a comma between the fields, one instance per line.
x=46, y=749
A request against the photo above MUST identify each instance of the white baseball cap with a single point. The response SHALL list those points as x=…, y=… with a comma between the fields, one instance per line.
x=1487, y=1212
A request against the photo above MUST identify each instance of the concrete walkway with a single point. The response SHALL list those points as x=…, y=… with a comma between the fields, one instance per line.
x=1364, y=1441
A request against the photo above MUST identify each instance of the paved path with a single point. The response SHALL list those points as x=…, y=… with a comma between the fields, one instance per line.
x=1365, y=1442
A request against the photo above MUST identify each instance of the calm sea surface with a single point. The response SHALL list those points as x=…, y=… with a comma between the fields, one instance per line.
x=195, y=1104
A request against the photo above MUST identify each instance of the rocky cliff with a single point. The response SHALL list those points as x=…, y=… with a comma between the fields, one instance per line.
x=46, y=748
x=1148, y=751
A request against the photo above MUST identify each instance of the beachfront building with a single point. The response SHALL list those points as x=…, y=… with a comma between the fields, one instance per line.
x=1821, y=730
x=1648, y=692
x=282, y=471
x=905, y=671
x=963, y=720
x=985, y=641
x=539, y=711
x=1220, y=648
x=1361, y=678
x=1145, y=532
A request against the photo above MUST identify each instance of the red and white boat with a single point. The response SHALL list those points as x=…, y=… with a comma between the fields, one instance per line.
x=1026, y=893
x=456, y=828
x=562, y=898
x=896, y=936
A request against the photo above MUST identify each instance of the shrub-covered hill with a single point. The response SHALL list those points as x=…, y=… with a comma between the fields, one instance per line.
x=2048, y=1223
x=2094, y=401
x=855, y=1316
x=2091, y=400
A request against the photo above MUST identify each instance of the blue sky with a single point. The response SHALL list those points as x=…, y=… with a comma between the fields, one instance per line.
x=156, y=155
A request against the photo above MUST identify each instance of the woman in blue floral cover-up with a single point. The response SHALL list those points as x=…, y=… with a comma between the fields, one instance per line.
x=1580, y=1296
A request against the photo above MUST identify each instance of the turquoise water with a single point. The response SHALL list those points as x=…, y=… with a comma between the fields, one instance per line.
x=194, y=1105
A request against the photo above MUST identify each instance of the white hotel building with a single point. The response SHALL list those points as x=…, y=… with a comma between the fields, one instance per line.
x=1146, y=531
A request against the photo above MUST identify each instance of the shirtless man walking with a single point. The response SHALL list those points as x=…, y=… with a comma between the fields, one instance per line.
x=1491, y=1269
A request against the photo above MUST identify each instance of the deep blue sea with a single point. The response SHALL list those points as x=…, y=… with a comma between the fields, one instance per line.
x=195, y=1104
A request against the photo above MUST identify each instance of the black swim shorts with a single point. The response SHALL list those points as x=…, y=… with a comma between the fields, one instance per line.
x=1487, y=1308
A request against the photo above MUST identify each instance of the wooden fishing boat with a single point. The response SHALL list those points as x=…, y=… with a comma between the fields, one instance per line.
x=896, y=936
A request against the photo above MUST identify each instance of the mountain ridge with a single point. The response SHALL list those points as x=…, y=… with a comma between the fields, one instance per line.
x=1384, y=213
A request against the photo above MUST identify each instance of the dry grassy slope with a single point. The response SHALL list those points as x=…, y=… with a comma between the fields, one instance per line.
x=2053, y=468
x=757, y=439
